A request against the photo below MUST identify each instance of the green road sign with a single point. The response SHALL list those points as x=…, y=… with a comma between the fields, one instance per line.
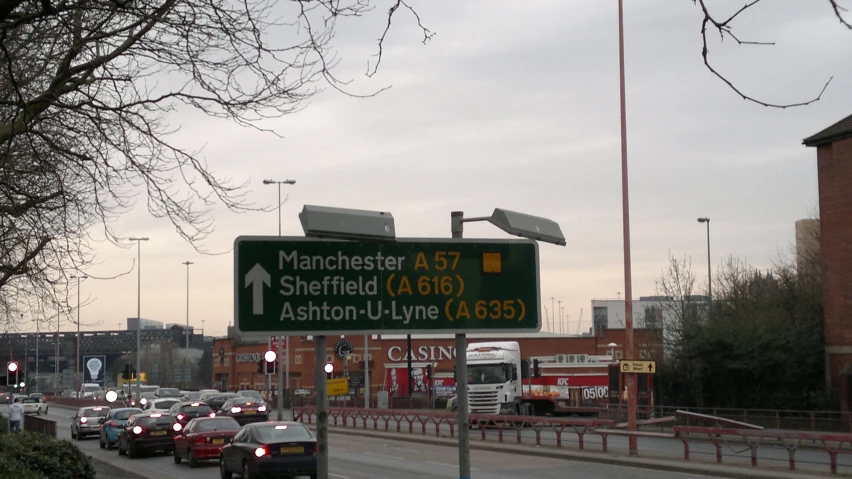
x=304, y=286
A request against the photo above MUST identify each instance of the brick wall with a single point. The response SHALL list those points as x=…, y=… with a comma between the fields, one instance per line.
x=392, y=351
x=834, y=163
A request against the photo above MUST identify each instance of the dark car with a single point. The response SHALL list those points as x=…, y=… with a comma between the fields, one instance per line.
x=218, y=400
x=87, y=421
x=187, y=411
x=5, y=397
x=203, y=438
x=147, y=432
x=270, y=449
x=245, y=410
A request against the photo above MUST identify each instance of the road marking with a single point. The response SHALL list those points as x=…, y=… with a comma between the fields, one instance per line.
x=448, y=465
x=384, y=455
x=341, y=476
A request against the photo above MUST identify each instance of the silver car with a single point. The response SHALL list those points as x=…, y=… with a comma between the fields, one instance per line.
x=86, y=421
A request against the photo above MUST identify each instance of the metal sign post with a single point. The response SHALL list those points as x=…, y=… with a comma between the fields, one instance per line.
x=281, y=385
x=457, y=228
x=321, y=385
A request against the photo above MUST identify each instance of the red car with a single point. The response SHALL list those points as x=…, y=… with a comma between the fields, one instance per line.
x=203, y=438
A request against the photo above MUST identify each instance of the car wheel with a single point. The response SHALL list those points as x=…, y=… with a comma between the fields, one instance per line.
x=246, y=473
x=73, y=434
x=176, y=457
x=132, y=453
x=223, y=471
x=191, y=459
x=121, y=450
x=101, y=443
x=110, y=445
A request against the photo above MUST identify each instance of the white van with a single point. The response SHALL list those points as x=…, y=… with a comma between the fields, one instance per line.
x=88, y=390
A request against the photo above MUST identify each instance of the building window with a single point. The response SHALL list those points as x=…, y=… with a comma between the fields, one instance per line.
x=298, y=359
x=653, y=317
x=600, y=318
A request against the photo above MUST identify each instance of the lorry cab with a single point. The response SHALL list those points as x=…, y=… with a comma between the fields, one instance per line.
x=494, y=377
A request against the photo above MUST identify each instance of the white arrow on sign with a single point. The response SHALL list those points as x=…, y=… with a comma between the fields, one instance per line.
x=256, y=278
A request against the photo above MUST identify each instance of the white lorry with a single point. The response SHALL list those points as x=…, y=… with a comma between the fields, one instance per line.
x=499, y=382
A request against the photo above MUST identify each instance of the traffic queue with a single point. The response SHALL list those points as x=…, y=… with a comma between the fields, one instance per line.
x=232, y=428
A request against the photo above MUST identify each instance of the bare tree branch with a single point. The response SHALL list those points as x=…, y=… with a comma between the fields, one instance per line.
x=839, y=12
x=724, y=29
x=427, y=34
x=88, y=93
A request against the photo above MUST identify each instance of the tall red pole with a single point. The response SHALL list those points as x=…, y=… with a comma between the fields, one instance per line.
x=625, y=199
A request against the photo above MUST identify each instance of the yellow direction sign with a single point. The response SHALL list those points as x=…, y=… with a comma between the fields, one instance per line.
x=338, y=387
x=647, y=367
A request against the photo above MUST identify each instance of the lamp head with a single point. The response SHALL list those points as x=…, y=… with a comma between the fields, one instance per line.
x=703, y=220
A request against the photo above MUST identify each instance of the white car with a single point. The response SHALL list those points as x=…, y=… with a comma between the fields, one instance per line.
x=34, y=406
x=161, y=405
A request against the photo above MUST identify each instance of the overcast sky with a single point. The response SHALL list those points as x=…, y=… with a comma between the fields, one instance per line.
x=515, y=105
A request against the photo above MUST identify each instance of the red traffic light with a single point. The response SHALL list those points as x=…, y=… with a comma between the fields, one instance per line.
x=12, y=366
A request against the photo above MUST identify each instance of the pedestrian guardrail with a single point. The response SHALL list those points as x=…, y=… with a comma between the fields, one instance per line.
x=435, y=420
x=39, y=425
x=719, y=436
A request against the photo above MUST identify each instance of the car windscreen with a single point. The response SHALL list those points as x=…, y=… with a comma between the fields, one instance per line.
x=200, y=409
x=152, y=421
x=250, y=394
x=243, y=400
x=91, y=389
x=164, y=404
x=194, y=396
x=122, y=415
x=95, y=412
x=218, y=424
x=168, y=393
x=29, y=401
x=281, y=433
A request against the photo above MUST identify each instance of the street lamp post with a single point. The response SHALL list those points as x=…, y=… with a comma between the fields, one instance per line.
x=632, y=389
x=38, y=333
x=532, y=227
x=79, y=368
x=138, y=315
x=709, y=270
x=283, y=355
x=186, y=331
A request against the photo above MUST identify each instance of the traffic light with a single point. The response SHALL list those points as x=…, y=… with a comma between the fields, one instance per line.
x=271, y=361
x=428, y=372
x=260, y=367
x=127, y=373
x=536, y=370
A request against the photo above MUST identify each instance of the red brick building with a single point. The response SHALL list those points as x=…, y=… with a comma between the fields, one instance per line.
x=235, y=362
x=834, y=163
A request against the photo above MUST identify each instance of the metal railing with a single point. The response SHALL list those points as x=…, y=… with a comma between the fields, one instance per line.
x=832, y=442
x=39, y=425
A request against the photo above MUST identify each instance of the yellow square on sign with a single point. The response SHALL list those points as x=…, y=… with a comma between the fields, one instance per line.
x=492, y=263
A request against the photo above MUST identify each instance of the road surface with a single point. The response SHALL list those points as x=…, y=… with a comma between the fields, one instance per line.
x=369, y=458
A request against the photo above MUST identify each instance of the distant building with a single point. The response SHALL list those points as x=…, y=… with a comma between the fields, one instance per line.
x=807, y=245
x=146, y=324
x=649, y=312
